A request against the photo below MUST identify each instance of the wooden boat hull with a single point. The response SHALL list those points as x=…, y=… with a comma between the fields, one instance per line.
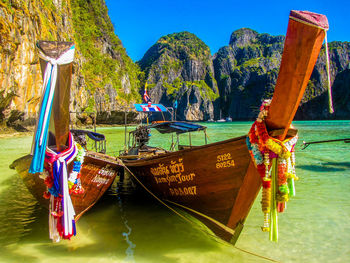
x=206, y=181
x=97, y=174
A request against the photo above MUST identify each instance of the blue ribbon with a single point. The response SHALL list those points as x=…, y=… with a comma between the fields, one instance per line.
x=37, y=164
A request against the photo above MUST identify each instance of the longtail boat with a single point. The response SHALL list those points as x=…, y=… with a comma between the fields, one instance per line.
x=89, y=173
x=218, y=182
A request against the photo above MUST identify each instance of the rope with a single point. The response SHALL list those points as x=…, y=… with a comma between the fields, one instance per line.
x=156, y=197
x=185, y=218
x=330, y=100
x=256, y=255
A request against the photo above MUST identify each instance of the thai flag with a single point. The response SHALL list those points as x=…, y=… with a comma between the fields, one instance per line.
x=146, y=98
x=153, y=108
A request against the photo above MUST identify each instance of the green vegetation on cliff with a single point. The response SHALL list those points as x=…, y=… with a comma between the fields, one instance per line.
x=106, y=61
x=179, y=67
x=174, y=49
x=186, y=44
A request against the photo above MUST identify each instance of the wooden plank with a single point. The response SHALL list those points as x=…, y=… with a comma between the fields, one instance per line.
x=301, y=49
x=60, y=106
x=245, y=198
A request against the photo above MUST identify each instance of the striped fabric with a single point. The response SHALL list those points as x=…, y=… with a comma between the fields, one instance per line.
x=150, y=108
x=59, y=162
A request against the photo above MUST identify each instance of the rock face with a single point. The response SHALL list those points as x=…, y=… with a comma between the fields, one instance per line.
x=246, y=72
x=315, y=102
x=179, y=68
x=104, y=76
x=109, y=76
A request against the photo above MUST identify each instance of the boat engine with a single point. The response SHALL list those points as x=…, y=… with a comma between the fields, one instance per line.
x=142, y=135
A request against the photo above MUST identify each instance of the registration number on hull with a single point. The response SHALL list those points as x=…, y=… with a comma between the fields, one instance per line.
x=183, y=191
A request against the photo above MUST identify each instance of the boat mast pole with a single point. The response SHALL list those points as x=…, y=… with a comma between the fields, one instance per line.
x=125, y=122
x=95, y=129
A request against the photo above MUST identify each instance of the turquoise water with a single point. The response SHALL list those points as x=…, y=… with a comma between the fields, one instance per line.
x=127, y=228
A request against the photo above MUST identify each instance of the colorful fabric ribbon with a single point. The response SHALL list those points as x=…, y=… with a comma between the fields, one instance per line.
x=42, y=126
x=62, y=222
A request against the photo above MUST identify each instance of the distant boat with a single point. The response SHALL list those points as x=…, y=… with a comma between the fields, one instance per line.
x=228, y=119
x=218, y=182
x=221, y=119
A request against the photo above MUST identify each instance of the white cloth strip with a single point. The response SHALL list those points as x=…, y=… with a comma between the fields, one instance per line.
x=68, y=211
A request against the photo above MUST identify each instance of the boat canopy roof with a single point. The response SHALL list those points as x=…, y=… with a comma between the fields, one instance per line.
x=176, y=126
x=150, y=108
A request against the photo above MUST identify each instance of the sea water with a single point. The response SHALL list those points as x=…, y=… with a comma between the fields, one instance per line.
x=128, y=228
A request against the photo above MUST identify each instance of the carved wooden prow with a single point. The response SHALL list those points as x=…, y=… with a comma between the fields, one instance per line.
x=305, y=34
x=59, y=120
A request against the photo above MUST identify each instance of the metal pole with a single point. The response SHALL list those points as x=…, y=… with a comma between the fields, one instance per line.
x=306, y=144
x=95, y=130
x=178, y=141
x=172, y=142
x=94, y=122
x=125, y=120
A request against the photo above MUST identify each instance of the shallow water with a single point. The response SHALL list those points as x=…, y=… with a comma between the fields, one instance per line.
x=127, y=228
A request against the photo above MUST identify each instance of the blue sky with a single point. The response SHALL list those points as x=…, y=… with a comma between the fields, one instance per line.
x=140, y=23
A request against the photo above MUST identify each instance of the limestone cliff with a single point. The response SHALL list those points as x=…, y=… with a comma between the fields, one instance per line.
x=315, y=101
x=246, y=72
x=179, y=67
x=104, y=76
